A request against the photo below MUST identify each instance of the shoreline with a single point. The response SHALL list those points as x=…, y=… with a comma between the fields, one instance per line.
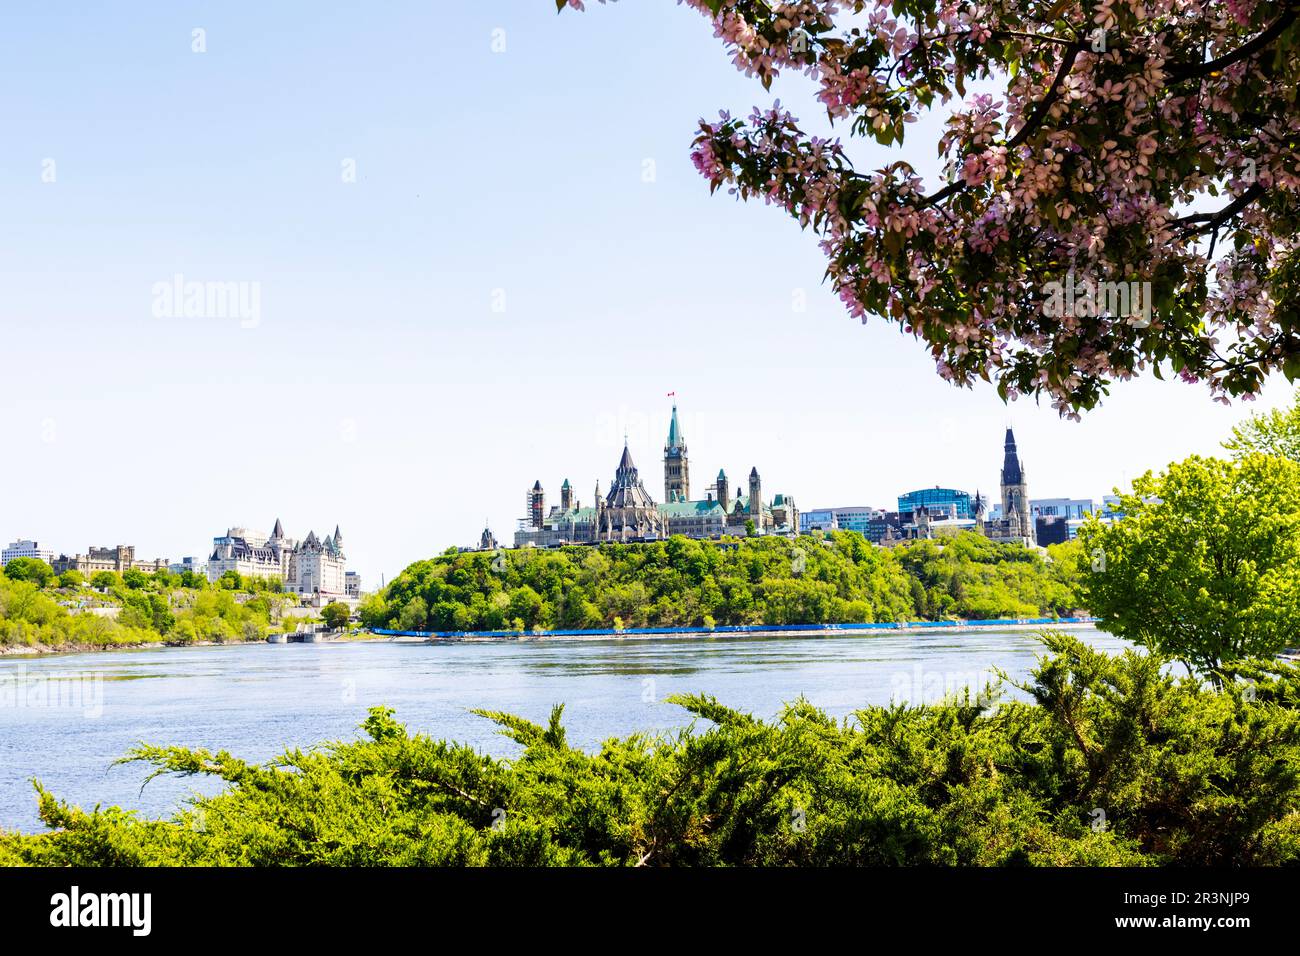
x=756, y=631
x=365, y=637
x=45, y=650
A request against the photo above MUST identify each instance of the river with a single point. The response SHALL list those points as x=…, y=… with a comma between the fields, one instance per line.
x=65, y=719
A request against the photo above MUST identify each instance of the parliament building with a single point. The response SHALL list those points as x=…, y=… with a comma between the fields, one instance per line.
x=627, y=512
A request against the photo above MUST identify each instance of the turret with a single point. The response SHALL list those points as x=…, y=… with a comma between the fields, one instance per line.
x=536, y=505
x=724, y=491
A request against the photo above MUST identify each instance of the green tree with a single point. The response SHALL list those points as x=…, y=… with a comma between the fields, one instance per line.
x=29, y=569
x=1276, y=432
x=336, y=615
x=105, y=580
x=71, y=578
x=414, y=615
x=1204, y=567
x=189, y=579
x=135, y=579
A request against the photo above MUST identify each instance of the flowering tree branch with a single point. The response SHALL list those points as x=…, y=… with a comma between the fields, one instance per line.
x=1120, y=122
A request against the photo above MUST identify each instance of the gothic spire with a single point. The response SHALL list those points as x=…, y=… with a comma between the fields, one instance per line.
x=675, y=440
x=1012, y=472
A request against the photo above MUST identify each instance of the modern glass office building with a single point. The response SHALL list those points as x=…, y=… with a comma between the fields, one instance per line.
x=936, y=500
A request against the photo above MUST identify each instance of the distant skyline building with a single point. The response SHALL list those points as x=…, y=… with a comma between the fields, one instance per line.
x=191, y=564
x=848, y=518
x=1061, y=507
x=23, y=548
x=937, y=500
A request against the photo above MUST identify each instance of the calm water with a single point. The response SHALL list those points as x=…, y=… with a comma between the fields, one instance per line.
x=63, y=720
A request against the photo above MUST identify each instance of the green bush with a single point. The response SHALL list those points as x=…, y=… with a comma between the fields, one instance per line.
x=1181, y=773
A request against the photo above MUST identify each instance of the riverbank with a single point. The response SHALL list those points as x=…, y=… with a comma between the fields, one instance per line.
x=41, y=650
x=496, y=637
x=748, y=630
x=44, y=650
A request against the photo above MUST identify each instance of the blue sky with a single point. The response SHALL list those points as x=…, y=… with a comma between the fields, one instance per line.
x=382, y=387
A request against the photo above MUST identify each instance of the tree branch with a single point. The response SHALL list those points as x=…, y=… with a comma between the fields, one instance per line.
x=1213, y=220
x=1187, y=71
x=1034, y=121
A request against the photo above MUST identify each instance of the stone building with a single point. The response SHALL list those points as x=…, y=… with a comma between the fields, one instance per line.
x=627, y=512
x=120, y=558
x=311, y=567
x=1014, y=523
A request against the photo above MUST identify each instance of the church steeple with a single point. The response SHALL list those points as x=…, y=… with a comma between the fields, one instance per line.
x=1015, y=491
x=1012, y=474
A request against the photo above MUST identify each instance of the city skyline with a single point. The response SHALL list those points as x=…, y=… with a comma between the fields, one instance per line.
x=465, y=309
x=632, y=425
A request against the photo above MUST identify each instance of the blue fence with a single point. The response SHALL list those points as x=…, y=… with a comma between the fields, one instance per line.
x=747, y=628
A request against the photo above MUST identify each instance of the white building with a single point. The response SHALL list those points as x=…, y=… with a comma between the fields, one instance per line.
x=1068, y=508
x=311, y=567
x=848, y=518
x=191, y=564
x=25, y=549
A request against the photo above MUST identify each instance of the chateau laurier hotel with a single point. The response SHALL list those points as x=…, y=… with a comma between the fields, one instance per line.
x=627, y=512
x=311, y=567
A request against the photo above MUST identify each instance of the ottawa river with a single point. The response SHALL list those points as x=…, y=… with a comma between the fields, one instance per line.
x=65, y=719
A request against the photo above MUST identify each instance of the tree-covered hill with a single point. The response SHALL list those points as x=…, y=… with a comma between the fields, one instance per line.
x=839, y=578
x=40, y=610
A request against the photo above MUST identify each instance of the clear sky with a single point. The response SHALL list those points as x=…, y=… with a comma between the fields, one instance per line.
x=525, y=265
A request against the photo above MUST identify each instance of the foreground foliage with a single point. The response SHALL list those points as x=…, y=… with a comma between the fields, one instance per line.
x=682, y=582
x=1117, y=762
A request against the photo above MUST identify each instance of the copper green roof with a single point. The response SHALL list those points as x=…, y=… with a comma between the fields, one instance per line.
x=689, y=509
x=576, y=515
x=674, y=432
